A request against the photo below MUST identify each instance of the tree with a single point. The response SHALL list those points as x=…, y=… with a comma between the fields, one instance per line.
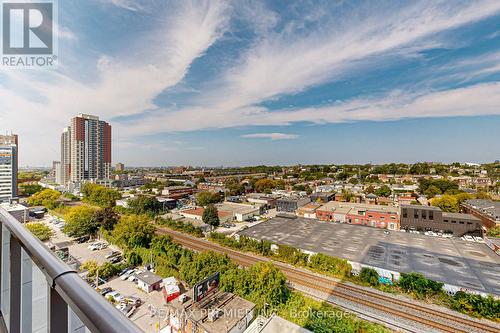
x=106, y=218
x=370, y=189
x=46, y=198
x=483, y=195
x=383, y=191
x=369, y=275
x=268, y=285
x=494, y=232
x=347, y=195
x=80, y=222
x=91, y=266
x=432, y=191
x=211, y=216
x=133, y=231
x=203, y=265
x=29, y=189
x=100, y=195
x=145, y=205
x=40, y=230
x=264, y=185
x=206, y=198
x=447, y=203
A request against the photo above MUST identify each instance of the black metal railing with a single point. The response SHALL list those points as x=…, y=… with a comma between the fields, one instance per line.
x=40, y=293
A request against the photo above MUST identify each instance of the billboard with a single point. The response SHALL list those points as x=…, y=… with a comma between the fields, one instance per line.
x=206, y=287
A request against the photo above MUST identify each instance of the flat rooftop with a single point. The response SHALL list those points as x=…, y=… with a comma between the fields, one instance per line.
x=234, y=310
x=340, y=207
x=237, y=208
x=452, y=261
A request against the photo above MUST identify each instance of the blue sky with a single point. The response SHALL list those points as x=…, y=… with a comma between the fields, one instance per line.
x=268, y=82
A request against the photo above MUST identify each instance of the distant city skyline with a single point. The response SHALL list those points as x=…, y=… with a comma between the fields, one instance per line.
x=242, y=83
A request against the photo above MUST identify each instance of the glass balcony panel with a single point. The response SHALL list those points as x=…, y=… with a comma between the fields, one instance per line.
x=75, y=324
x=5, y=275
x=40, y=301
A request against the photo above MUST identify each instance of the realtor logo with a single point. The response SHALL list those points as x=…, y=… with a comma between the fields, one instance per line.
x=28, y=33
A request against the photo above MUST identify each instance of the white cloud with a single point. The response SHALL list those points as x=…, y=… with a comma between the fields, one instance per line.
x=288, y=62
x=34, y=101
x=272, y=136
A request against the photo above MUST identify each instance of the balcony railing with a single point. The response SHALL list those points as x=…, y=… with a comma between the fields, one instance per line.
x=40, y=293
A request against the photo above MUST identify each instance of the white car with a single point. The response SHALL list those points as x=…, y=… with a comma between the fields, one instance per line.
x=127, y=274
x=116, y=296
x=478, y=239
x=97, y=246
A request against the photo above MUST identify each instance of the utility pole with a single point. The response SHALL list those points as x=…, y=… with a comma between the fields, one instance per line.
x=97, y=278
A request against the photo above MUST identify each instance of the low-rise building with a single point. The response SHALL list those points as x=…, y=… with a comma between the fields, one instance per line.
x=488, y=211
x=197, y=214
x=274, y=324
x=308, y=211
x=429, y=218
x=322, y=197
x=378, y=216
x=177, y=192
x=148, y=281
x=222, y=312
x=291, y=204
x=240, y=212
x=19, y=212
x=268, y=200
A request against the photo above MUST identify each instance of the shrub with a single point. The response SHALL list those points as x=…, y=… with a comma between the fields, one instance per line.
x=40, y=230
x=369, y=275
x=419, y=285
x=476, y=305
x=331, y=265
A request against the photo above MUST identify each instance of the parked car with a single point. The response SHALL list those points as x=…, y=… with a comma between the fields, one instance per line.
x=127, y=274
x=115, y=260
x=134, y=301
x=478, y=239
x=124, y=271
x=97, y=246
x=82, y=239
x=105, y=290
x=112, y=254
x=116, y=296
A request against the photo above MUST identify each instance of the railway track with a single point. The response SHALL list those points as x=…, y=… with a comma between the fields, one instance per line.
x=429, y=317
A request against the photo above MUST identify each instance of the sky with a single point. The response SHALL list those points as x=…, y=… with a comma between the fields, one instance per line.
x=244, y=82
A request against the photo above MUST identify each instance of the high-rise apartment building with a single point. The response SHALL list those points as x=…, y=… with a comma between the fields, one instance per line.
x=8, y=166
x=65, y=156
x=120, y=167
x=86, y=150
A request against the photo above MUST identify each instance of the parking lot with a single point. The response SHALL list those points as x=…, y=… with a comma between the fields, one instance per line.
x=151, y=302
x=466, y=264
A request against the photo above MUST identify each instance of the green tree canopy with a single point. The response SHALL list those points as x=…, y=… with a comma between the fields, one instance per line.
x=211, y=216
x=29, y=189
x=432, y=191
x=383, y=191
x=145, y=205
x=80, y=221
x=106, y=218
x=265, y=185
x=369, y=275
x=133, y=231
x=40, y=230
x=47, y=198
x=100, y=195
x=206, y=198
